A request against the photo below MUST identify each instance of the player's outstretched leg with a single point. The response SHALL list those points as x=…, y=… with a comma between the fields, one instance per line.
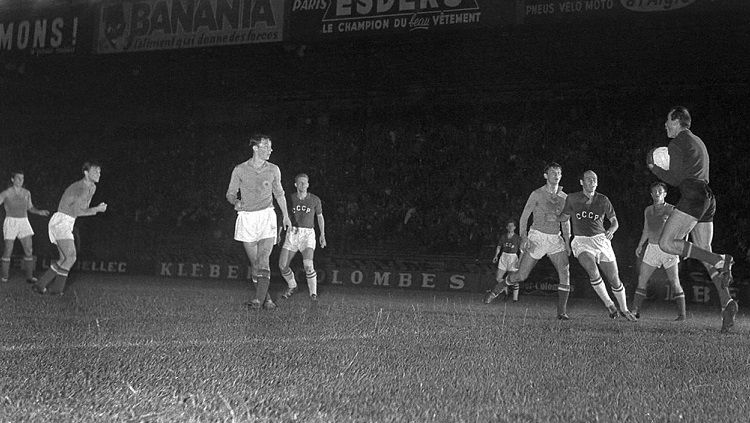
x=500, y=288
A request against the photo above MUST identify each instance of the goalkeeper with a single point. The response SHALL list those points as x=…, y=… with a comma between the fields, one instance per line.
x=694, y=213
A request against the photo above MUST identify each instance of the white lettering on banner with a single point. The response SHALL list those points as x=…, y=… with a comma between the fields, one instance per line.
x=381, y=278
x=40, y=35
x=457, y=281
x=170, y=24
x=344, y=16
x=233, y=272
x=214, y=270
x=309, y=5
x=101, y=266
x=655, y=5
x=404, y=280
x=349, y=8
x=428, y=280
x=568, y=7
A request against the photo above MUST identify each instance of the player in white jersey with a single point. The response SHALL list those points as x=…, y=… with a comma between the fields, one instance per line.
x=259, y=182
x=544, y=205
x=654, y=218
x=18, y=204
x=301, y=237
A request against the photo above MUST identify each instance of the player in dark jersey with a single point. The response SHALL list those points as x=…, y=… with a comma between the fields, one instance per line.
x=75, y=202
x=306, y=207
x=689, y=171
x=506, y=257
x=18, y=205
x=591, y=243
x=259, y=183
x=654, y=257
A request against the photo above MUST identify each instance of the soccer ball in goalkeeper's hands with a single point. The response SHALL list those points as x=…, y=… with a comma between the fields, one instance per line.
x=660, y=157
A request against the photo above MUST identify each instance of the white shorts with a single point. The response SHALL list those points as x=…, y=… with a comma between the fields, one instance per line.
x=60, y=227
x=256, y=225
x=17, y=227
x=541, y=244
x=656, y=257
x=597, y=245
x=508, y=262
x=299, y=239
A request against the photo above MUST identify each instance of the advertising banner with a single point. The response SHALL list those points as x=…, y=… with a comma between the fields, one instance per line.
x=311, y=19
x=42, y=32
x=545, y=10
x=143, y=25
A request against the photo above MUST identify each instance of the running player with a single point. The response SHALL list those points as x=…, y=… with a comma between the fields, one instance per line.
x=301, y=237
x=258, y=181
x=74, y=203
x=506, y=257
x=17, y=202
x=591, y=242
x=654, y=218
x=694, y=213
x=544, y=204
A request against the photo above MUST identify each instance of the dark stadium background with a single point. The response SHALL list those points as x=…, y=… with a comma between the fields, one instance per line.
x=457, y=124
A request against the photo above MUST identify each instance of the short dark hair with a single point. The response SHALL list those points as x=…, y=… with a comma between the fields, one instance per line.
x=552, y=165
x=301, y=175
x=681, y=114
x=87, y=165
x=657, y=184
x=509, y=222
x=257, y=138
x=15, y=172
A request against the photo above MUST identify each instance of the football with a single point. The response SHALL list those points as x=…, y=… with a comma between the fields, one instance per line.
x=661, y=157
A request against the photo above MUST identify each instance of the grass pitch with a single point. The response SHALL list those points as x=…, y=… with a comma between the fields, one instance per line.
x=146, y=349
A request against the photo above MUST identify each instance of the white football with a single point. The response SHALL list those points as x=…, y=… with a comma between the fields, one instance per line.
x=661, y=157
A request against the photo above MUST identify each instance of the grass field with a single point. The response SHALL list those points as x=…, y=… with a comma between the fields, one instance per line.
x=147, y=349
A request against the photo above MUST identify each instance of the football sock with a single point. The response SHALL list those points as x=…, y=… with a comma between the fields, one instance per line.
x=679, y=297
x=28, y=266
x=6, y=267
x=264, y=280
x=516, y=288
x=619, y=293
x=312, y=281
x=689, y=250
x=288, y=276
x=601, y=291
x=563, y=292
x=640, y=295
x=724, y=296
x=58, y=285
x=48, y=276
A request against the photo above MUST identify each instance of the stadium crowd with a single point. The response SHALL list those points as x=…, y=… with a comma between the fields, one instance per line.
x=441, y=180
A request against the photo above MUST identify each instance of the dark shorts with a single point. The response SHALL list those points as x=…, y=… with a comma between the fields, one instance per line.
x=697, y=200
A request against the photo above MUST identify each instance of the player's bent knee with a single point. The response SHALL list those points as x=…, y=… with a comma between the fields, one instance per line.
x=308, y=264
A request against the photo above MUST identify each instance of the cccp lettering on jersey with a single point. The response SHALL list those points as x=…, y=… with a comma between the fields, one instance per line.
x=587, y=215
x=351, y=8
